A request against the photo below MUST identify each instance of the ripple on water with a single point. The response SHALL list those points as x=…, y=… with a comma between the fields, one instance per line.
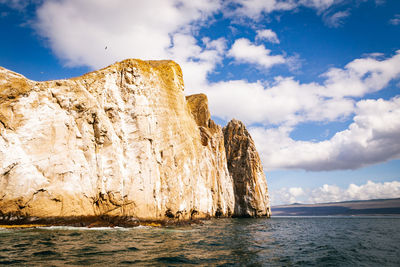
x=83, y=262
x=130, y=262
x=21, y=245
x=45, y=253
x=276, y=242
x=174, y=259
x=47, y=243
x=75, y=234
x=13, y=262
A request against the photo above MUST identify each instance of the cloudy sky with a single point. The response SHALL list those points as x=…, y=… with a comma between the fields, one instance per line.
x=316, y=81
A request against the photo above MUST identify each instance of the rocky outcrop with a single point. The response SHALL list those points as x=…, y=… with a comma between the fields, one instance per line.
x=119, y=142
x=244, y=164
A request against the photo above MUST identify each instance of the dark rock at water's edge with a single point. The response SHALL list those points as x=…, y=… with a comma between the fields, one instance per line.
x=89, y=221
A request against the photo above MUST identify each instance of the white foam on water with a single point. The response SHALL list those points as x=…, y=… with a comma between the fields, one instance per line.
x=144, y=227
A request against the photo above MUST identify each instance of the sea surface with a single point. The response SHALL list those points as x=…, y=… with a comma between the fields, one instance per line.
x=279, y=241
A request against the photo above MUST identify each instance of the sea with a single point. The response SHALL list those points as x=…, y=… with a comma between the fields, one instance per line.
x=278, y=241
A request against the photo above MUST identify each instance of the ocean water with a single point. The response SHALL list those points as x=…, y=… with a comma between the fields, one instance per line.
x=279, y=241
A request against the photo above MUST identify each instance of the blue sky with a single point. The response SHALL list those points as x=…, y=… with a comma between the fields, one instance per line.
x=317, y=82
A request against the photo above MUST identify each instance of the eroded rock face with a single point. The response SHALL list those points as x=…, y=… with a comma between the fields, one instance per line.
x=122, y=141
x=212, y=140
x=244, y=164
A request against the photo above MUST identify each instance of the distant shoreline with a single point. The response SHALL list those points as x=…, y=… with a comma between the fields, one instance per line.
x=374, y=207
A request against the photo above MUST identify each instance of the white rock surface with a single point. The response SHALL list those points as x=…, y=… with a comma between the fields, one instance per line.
x=121, y=141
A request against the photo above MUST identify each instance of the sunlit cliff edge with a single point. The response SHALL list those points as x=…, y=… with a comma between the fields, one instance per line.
x=122, y=143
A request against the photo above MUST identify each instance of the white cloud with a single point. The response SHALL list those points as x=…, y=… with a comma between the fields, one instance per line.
x=244, y=51
x=337, y=19
x=289, y=102
x=332, y=193
x=372, y=138
x=287, y=195
x=255, y=8
x=372, y=190
x=296, y=191
x=79, y=31
x=16, y=4
x=395, y=20
x=362, y=76
x=196, y=62
x=374, y=55
x=320, y=5
x=267, y=35
x=286, y=102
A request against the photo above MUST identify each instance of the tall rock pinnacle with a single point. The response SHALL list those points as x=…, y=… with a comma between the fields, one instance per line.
x=244, y=164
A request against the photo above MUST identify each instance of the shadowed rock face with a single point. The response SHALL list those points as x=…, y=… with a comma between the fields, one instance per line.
x=244, y=164
x=119, y=142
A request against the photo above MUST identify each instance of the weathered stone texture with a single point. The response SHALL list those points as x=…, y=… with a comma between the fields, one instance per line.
x=244, y=164
x=121, y=141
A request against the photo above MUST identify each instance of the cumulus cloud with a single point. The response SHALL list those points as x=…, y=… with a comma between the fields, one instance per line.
x=370, y=190
x=267, y=35
x=362, y=76
x=333, y=193
x=319, y=4
x=337, y=19
x=289, y=102
x=287, y=195
x=196, y=62
x=286, y=102
x=243, y=51
x=16, y=4
x=372, y=138
x=255, y=8
x=395, y=20
x=79, y=31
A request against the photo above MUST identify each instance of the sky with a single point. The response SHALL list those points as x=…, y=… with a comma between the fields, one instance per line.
x=317, y=82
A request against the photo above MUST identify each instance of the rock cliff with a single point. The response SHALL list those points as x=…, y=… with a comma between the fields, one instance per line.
x=122, y=142
x=244, y=164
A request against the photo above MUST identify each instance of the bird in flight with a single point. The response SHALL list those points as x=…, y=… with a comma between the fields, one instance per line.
x=105, y=48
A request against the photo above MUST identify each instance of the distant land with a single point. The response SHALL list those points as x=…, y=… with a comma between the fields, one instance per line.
x=390, y=207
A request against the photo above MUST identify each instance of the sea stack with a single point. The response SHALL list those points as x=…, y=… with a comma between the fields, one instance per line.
x=244, y=165
x=125, y=143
